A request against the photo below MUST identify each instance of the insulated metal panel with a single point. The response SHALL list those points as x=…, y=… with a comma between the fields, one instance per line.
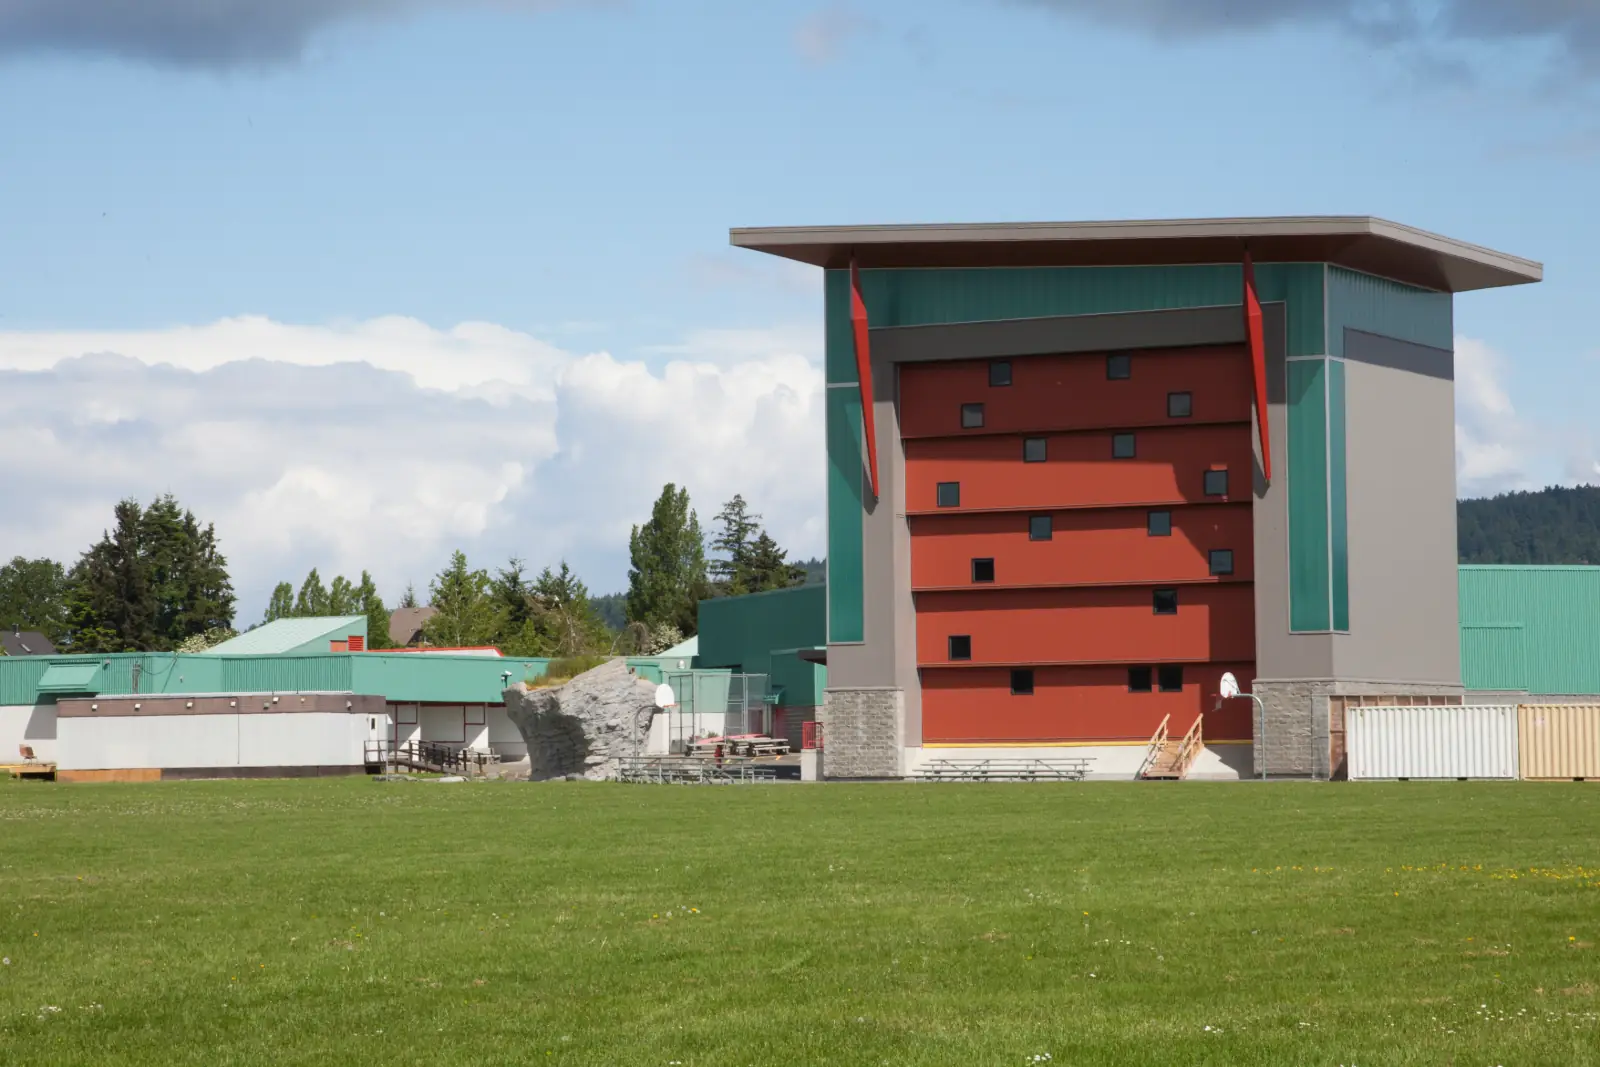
x=286, y=674
x=1390, y=309
x=1559, y=611
x=1559, y=741
x=846, y=470
x=1309, y=550
x=1467, y=741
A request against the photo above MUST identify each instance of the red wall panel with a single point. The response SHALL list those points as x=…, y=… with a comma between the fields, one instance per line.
x=1073, y=393
x=1169, y=467
x=1077, y=704
x=1087, y=547
x=1105, y=625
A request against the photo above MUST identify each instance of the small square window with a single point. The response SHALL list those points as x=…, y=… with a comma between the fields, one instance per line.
x=1221, y=561
x=1122, y=446
x=983, y=570
x=1000, y=373
x=1180, y=405
x=947, y=494
x=1035, y=449
x=1166, y=601
x=1216, y=483
x=960, y=646
x=1022, y=683
x=1119, y=368
x=1171, y=679
x=972, y=416
x=1138, y=679
x=1040, y=528
x=1159, y=524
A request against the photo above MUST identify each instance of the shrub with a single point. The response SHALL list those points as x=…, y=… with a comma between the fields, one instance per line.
x=566, y=669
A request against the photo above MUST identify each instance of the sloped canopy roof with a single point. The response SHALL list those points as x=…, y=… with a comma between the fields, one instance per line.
x=1360, y=242
x=287, y=635
x=71, y=678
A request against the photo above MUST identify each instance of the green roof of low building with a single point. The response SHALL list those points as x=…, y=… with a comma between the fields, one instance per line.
x=284, y=636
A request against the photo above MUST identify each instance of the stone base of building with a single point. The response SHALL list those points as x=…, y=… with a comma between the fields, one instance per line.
x=862, y=732
x=1303, y=723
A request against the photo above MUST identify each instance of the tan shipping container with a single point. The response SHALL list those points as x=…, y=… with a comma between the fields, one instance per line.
x=1559, y=742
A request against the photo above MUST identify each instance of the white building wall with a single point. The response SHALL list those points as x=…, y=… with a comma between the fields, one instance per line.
x=27, y=724
x=176, y=742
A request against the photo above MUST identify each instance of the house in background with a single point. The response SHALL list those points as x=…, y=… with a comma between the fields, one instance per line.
x=26, y=643
x=405, y=626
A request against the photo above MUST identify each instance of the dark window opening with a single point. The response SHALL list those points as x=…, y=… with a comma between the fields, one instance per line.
x=1159, y=524
x=1035, y=449
x=983, y=570
x=1119, y=368
x=1122, y=446
x=1022, y=683
x=1180, y=405
x=1166, y=601
x=1040, y=528
x=1171, y=679
x=1138, y=679
x=1221, y=561
x=999, y=373
x=960, y=646
x=972, y=416
x=1216, y=483
x=947, y=494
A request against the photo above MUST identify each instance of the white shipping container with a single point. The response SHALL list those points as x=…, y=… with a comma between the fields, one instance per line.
x=1461, y=741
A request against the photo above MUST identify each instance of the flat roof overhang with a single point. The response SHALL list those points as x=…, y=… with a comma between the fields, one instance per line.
x=1375, y=246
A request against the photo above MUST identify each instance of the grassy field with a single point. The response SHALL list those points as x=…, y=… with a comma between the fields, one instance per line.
x=349, y=921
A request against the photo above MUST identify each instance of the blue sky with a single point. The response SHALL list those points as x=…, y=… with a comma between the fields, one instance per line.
x=225, y=239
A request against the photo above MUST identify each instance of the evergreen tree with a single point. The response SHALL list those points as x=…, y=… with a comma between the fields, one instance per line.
x=766, y=567
x=408, y=599
x=342, y=597
x=512, y=593
x=370, y=604
x=281, y=606
x=667, y=578
x=33, y=596
x=110, y=606
x=313, y=598
x=153, y=581
x=739, y=530
x=467, y=614
x=566, y=615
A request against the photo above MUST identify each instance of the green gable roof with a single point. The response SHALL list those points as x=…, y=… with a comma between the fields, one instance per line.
x=284, y=636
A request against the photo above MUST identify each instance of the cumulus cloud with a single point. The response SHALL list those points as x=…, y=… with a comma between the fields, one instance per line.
x=202, y=33
x=385, y=444
x=1570, y=27
x=1493, y=444
x=822, y=35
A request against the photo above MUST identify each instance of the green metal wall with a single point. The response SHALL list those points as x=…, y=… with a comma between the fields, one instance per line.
x=1532, y=628
x=759, y=634
x=1390, y=309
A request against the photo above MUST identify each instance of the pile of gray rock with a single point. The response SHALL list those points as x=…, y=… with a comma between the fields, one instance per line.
x=583, y=727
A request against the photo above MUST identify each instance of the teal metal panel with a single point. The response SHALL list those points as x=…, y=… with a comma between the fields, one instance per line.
x=19, y=678
x=744, y=632
x=71, y=678
x=287, y=674
x=1299, y=287
x=1558, y=610
x=1309, y=567
x=1380, y=306
x=798, y=683
x=292, y=637
x=441, y=679
x=1338, y=518
x=846, y=478
x=1494, y=657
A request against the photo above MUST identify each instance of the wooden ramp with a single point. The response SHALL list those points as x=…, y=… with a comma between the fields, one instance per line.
x=1168, y=759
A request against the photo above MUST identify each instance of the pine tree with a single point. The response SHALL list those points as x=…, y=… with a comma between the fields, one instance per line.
x=667, y=578
x=110, y=604
x=565, y=614
x=408, y=599
x=313, y=598
x=511, y=592
x=370, y=604
x=766, y=567
x=281, y=606
x=467, y=614
x=739, y=530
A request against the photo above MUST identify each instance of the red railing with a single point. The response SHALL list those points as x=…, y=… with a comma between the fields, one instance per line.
x=811, y=735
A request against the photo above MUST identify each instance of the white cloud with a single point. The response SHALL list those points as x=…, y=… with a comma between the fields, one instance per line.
x=1495, y=448
x=385, y=444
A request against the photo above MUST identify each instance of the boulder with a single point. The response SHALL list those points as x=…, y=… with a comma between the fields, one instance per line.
x=582, y=728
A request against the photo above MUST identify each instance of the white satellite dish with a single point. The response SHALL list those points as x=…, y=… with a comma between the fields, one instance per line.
x=1230, y=686
x=665, y=698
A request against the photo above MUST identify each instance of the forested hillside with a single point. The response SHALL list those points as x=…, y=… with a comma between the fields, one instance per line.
x=1552, y=525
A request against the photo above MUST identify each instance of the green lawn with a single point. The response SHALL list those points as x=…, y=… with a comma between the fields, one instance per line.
x=350, y=921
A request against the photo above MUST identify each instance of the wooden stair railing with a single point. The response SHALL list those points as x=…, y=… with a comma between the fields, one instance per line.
x=1158, y=742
